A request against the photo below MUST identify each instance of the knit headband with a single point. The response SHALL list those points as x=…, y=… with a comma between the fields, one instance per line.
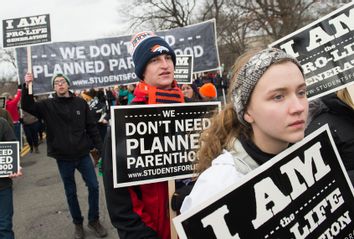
x=250, y=74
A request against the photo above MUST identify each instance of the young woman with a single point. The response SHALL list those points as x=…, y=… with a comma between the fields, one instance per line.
x=266, y=111
x=190, y=92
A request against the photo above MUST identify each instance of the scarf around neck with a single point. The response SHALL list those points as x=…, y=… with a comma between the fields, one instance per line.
x=148, y=94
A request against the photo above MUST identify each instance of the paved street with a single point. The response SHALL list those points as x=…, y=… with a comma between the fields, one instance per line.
x=41, y=210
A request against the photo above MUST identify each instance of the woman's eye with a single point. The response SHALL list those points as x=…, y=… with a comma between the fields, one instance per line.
x=278, y=97
x=302, y=93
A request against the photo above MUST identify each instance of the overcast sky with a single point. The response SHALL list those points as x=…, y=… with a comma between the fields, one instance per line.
x=72, y=19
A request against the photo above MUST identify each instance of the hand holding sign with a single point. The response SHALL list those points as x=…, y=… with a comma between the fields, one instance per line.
x=18, y=174
x=28, y=79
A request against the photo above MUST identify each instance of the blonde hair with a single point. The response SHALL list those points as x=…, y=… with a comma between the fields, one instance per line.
x=224, y=127
x=344, y=96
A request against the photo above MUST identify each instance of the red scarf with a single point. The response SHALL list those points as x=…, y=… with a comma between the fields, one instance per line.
x=148, y=94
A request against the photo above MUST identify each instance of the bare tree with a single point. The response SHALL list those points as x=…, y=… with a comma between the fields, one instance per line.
x=162, y=14
x=277, y=18
x=7, y=64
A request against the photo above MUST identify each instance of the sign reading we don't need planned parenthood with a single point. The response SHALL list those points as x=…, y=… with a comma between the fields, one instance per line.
x=9, y=158
x=325, y=49
x=107, y=61
x=155, y=143
x=304, y=192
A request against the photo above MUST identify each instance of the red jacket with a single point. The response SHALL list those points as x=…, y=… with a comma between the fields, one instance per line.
x=139, y=212
x=11, y=106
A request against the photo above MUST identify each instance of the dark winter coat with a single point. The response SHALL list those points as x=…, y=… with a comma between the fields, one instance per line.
x=340, y=118
x=6, y=134
x=70, y=125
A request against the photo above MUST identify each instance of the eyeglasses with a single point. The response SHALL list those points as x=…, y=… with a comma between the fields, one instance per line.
x=59, y=82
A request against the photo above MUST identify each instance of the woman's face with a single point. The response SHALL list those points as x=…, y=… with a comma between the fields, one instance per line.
x=278, y=108
x=187, y=91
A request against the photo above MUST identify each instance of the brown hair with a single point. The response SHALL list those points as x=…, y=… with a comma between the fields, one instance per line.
x=224, y=127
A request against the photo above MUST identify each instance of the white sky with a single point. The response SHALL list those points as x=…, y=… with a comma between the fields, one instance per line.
x=72, y=19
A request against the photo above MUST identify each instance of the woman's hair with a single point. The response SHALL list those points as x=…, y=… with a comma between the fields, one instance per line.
x=196, y=96
x=344, y=96
x=225, y=126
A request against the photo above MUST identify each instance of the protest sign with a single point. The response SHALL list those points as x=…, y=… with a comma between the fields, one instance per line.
x=184, y=69
x=304, y=192
x=26, y=30
x=325, y=50
x=155, y=143
x=107, y=62
x=2, y=102
x=9, y=158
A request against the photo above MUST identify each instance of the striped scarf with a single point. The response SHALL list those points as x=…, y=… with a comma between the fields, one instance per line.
x=151, y=95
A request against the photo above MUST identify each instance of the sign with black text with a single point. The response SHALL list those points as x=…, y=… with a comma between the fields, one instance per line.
x=2, y=102
x=325, y=49
x=155, y=143
x=26, y=30
x=9, y=158
x=303, y=192
x=107, y=61
x=184, y=69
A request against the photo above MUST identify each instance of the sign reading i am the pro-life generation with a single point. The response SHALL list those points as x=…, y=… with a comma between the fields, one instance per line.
x=325, y=49
x=9, y=158
x=184, y=69
x=304, y=192
x=155, y=143
x=26, y=30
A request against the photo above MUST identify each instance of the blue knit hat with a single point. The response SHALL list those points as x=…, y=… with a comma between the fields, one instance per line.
x=145, y=46
x=60, y=75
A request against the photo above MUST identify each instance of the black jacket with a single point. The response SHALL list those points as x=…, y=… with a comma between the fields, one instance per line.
x=6, y=134
x=70, y=125
x=340, y=118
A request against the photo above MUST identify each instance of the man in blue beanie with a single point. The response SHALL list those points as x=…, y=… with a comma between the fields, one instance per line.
x=142, y=211
x=71, y=130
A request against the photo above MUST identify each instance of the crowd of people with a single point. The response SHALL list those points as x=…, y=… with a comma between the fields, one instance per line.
x=265, y=84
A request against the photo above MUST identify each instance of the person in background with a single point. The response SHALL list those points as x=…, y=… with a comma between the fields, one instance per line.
x=208, y=92
x=31, y=125
x=71, y=130
x=6, y=195
x=127, y=94
x=141, y=212
x=336, y=110
x=6, y=115
x=266, y=84
x=12, y=107
x=191, y=93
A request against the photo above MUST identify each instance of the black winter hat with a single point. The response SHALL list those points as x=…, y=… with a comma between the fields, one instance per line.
x=146, y=45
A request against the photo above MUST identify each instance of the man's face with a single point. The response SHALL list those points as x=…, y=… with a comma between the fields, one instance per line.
x=61, y=87
x=159, y=72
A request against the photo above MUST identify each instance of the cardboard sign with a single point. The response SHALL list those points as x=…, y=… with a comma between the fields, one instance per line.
x=184, y=69
x=107, y=61
x=2, y=102
x=155, y=143
x=325, y=49
x=26, y=30
x=304, y=192
x=9, y=158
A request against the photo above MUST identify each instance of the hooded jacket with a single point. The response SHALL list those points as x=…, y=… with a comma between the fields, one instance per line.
x=71, y=128
x=340, y=119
